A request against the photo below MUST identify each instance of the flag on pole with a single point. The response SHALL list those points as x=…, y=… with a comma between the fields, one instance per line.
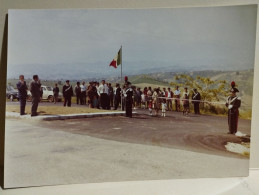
x=117, y=60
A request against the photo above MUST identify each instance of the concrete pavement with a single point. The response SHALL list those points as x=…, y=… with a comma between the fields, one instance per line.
x=38, y=153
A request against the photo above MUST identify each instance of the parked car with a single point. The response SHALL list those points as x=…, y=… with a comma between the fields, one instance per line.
x=47, y=94
x=11, y=93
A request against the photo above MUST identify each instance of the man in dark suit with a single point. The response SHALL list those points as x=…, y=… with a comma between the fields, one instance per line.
x=22, y=93
x=56, y=93
x=35, y=89
x=78, y=94
x=196, y=97
x=117, y=96
x=67, y=93
x=128, y=99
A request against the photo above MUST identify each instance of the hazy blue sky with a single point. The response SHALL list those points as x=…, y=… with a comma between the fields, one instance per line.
x=184, y=37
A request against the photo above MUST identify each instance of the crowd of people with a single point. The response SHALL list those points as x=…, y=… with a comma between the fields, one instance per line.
x=104, y=95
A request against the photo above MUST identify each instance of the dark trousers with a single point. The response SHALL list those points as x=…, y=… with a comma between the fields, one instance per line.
x=34, y=105
x=67, y=101
x=105, y=101
x=196, y=107
x=22, y=105
x=78, y=99
x=128, y=108
x=233, y=121
x=169, y=104
x=111, y=100
x=117, y=102
x=55, y=98
x=177, y=103
x=83, y=97
x=123, y=103
x=108, y=103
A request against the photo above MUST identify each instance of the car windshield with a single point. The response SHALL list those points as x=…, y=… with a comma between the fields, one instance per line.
x=10, y=88
x=49, y=88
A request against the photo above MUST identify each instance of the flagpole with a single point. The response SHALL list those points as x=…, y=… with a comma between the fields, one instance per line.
x=121, y=76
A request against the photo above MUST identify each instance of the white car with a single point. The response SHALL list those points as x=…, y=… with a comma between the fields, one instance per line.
x=47, y=94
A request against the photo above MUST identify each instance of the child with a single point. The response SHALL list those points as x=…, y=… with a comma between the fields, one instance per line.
x=150, y=104
x=164, y=106
x=186, y=107
x=143, y=100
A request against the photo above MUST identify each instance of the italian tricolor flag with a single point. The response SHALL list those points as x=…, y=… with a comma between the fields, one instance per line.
x=117, y=60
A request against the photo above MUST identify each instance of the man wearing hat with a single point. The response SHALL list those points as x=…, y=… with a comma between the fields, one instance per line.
x=233, y=103
x=128, y=99
x=196, y=97
x=67, y=93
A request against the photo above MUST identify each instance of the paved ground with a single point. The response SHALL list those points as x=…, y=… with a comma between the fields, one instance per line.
x=120, y=149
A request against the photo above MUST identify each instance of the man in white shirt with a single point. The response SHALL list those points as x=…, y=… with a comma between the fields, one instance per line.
x=177, y=93
x=103, y=89
x=83, y=93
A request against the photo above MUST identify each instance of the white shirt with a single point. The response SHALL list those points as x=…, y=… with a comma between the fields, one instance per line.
x=169, y=94
x=83, y=87
x=103, y=89
x=186, y=93
x=177, y=92
x=164, y=106
x=98, y=90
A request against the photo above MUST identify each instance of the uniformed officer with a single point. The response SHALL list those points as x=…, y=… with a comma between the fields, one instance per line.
x=196, y=96
x=128, y=99
x=233, y=103
x=22, y=93
x=67, y=93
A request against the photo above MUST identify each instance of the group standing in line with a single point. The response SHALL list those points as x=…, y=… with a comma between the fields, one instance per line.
x=105, y=96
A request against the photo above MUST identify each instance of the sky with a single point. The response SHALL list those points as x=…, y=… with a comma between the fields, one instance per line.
x=78, y=42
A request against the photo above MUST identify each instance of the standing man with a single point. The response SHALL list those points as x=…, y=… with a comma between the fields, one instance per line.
x=177, y=93
x=128, y=99
x=22, y=93
x=123, y=93
x=83, y=93
x=91, y=93
x=111, y=94
x=196, y=97
x=67, y=93
x=36, y=92
x=117, y=96
x=233, y=103
x=55, y=93
x=103, y=88
x=186, y=104
x=169, y=94
x=78, y=93
x=98, y=95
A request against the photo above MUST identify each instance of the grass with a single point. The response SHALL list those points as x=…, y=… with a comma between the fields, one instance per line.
x=54, y=110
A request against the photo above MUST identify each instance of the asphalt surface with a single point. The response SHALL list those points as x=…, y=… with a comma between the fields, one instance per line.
x=120, y=149
x=198, y=133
